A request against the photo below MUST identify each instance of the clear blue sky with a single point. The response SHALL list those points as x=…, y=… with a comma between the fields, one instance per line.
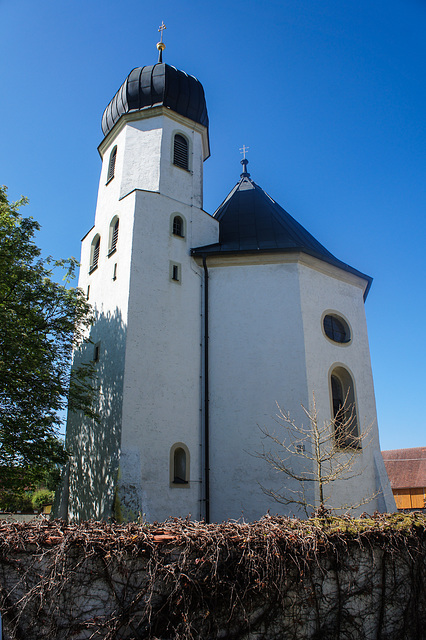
x=330, y=97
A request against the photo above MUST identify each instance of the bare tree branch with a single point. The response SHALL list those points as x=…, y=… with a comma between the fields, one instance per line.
x=316, y=455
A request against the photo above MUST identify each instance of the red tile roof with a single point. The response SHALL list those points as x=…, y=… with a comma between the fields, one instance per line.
x=406, y=467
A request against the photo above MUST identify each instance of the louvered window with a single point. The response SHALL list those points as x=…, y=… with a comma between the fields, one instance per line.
x=114, y=236
x=178, y=226
x=111, y=165
x=180, y=152
x=96, y=245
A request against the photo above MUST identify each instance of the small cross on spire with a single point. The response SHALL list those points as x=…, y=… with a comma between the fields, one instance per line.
x=160, y=45
x=244, y=161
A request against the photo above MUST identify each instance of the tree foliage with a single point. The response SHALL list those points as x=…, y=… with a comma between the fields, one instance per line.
x=42, y=321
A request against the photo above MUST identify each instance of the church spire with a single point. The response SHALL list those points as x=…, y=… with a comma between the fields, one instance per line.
x=160, y=45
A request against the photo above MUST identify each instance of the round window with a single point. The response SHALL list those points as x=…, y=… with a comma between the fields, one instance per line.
x=336, y=329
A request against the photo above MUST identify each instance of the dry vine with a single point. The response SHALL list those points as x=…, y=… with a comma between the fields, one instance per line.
x=324, y=577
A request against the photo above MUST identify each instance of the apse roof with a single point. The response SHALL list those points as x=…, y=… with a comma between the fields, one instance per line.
x=250, y=221
x=157, y=85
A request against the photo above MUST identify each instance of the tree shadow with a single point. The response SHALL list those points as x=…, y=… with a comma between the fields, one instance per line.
x=90, y=478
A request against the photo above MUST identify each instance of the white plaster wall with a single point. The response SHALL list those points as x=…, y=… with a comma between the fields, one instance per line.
x=96, y=447
x=161, y=404
x=257, y=358
x=322, y=293
x=145, y=159
x=155, y=346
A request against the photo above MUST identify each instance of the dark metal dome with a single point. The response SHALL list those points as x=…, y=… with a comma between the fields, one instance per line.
x=154, y=85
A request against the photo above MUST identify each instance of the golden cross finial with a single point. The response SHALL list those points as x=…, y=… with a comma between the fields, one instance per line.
x=244, y=150
x=160, y=45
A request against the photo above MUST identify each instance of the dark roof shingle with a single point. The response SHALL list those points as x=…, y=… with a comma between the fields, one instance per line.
x=251, y=221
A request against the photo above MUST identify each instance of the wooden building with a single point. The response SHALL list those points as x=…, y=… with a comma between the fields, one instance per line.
x=407, y=474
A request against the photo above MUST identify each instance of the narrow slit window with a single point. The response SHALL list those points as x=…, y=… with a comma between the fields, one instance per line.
x=114, y=275
x=111, y=164
x=180, y=152
x=96, y=352
x=175, y=272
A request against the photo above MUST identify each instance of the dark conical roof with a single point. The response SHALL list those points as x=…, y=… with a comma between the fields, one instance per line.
x=154, y=85
x=250, y=221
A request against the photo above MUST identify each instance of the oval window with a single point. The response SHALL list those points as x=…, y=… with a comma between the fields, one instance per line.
x=336, y=329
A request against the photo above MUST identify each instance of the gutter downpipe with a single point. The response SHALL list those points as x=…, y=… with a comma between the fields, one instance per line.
x=206, y=392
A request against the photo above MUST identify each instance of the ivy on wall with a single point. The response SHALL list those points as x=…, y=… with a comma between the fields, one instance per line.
x=325, y=577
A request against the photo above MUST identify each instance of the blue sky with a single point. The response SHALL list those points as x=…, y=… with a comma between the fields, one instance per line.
x=329, y=96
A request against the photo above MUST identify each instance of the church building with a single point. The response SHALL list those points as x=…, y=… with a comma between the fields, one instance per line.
x=204, y=324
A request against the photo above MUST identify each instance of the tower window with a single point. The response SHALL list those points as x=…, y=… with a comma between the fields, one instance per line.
x=175, y=272
x=336, y=329
x=178, y=226
x=94, y=253
x=180, y=152
x=111, y=164
x=113, y=235
x=96, y=352
x=344, y=410
x=179, y=465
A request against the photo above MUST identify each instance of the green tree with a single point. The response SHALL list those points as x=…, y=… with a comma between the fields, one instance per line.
x=41, y=321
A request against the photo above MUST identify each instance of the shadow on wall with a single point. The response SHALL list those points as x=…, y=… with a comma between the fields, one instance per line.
x=90, y=478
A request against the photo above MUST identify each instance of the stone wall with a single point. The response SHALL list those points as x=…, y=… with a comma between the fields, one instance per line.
x=323, y=578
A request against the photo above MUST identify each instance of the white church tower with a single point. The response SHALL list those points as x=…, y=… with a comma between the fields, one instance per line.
x=203, y=324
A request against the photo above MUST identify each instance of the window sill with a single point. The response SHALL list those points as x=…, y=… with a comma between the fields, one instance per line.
x=111, y=253
x=108, y=181
x=93, y=268
x=182, y=168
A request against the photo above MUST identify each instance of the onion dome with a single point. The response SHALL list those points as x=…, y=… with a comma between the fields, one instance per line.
x=250, y=221
x=157, y=85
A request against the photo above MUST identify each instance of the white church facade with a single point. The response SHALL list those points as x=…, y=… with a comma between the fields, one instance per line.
x=203, y=324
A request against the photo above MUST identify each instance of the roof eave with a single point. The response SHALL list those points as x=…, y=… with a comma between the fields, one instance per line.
x=217, y=250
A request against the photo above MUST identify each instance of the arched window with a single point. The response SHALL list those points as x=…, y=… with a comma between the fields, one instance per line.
x=344, y=412
x=111, y=164
x=94, y=253
x=113, y=235
x=178, y=229
x=180, y=152
x=179, y=465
